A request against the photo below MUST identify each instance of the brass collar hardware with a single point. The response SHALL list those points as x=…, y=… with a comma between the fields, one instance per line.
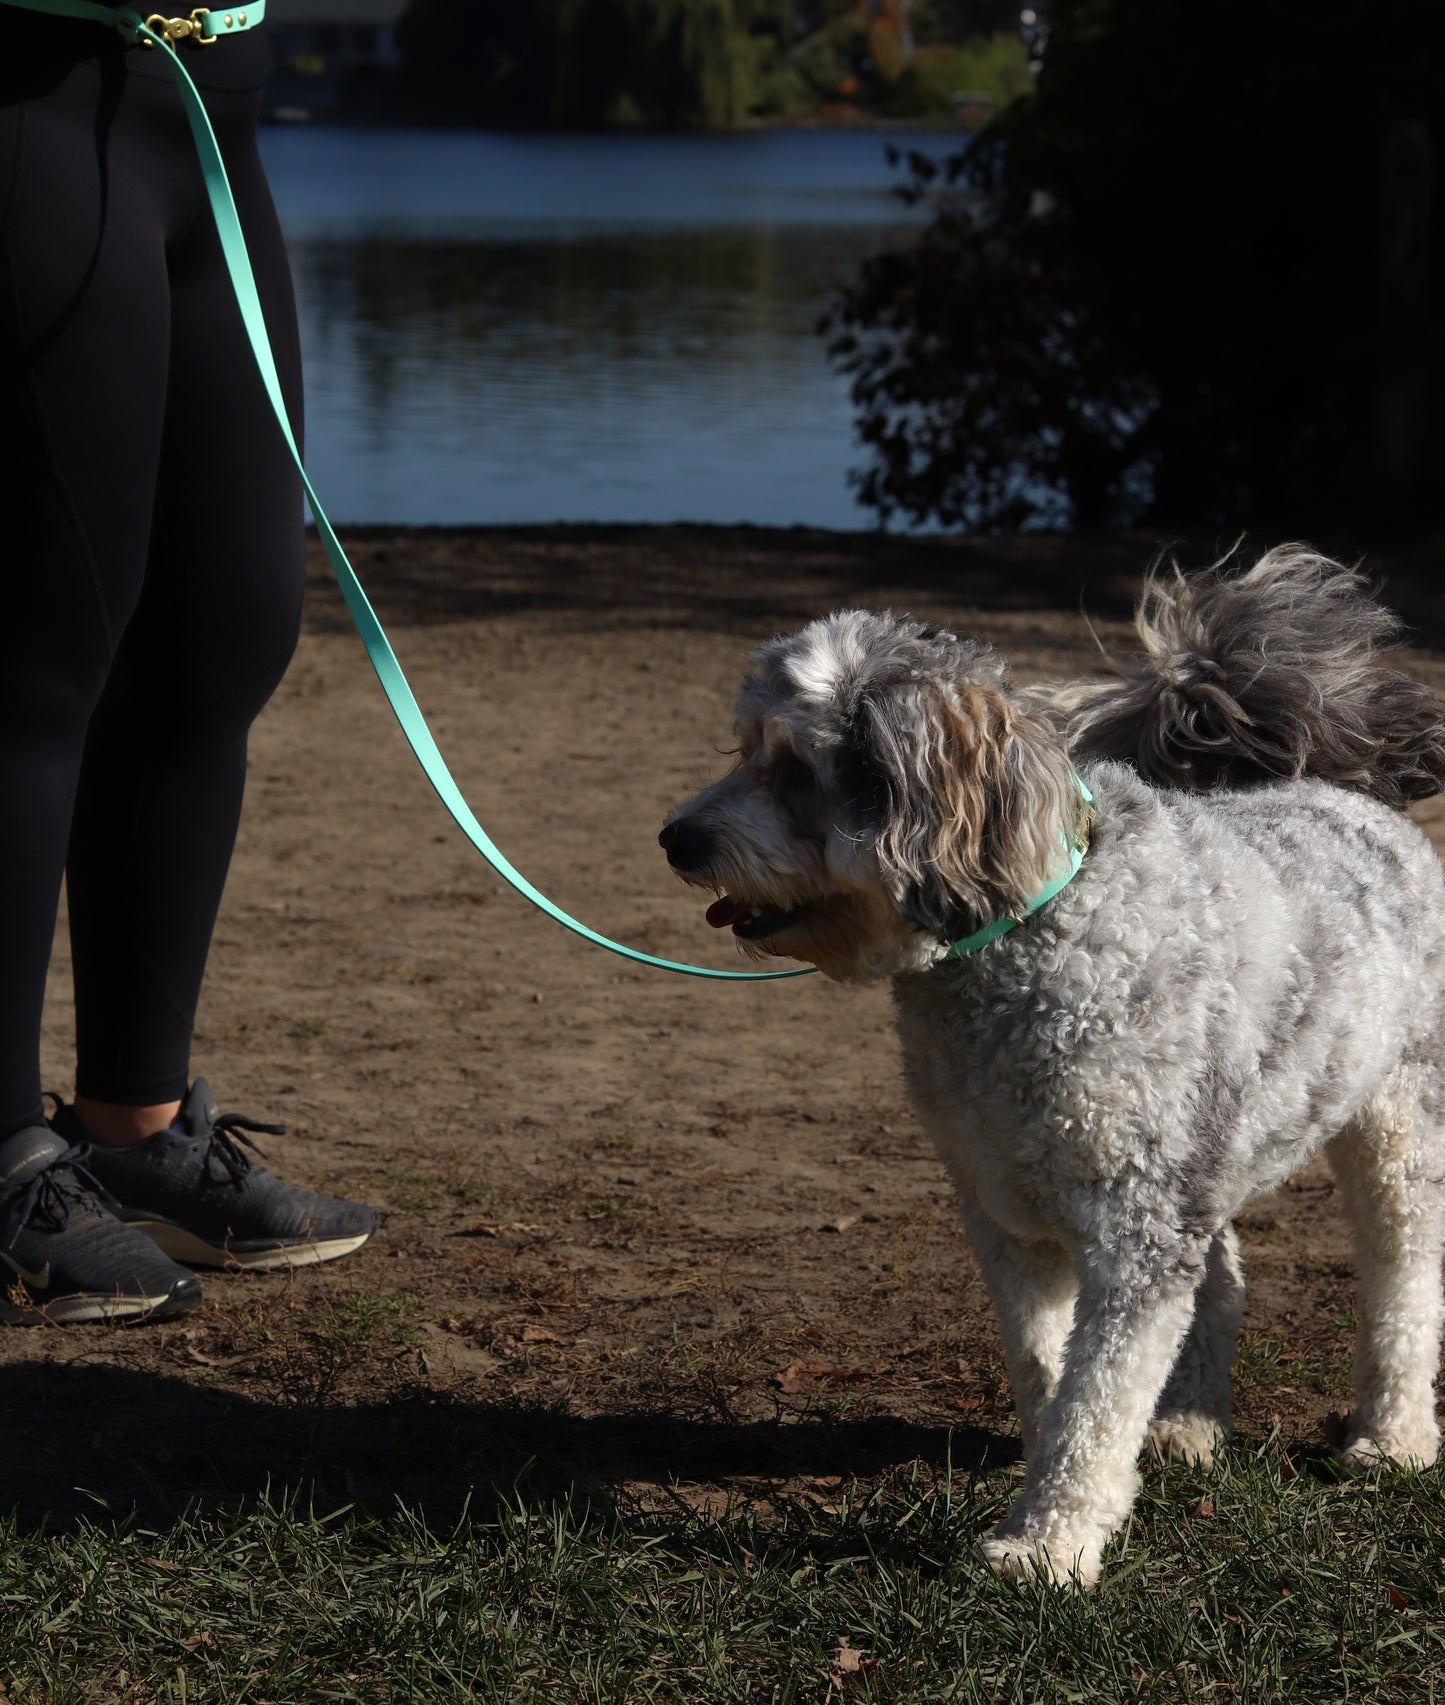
x=180, y=29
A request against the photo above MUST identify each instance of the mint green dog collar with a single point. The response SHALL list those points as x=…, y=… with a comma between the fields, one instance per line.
x=1077, y=846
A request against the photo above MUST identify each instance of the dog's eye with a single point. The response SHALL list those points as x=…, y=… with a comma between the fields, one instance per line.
x=791, y=774
x=793, y=781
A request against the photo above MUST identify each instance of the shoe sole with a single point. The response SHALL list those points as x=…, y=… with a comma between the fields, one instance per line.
x=82, y=1310
x=193, y=1251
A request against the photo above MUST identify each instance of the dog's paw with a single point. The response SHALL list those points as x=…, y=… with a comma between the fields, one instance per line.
x=1015, y=1558
x=1181, y=1435
x=1362, y=1453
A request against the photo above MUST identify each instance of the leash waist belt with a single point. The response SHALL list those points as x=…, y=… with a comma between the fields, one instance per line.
x=201, y=28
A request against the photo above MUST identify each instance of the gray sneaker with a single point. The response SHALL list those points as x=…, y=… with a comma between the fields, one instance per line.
x=64, y=1257
x=204, y=1201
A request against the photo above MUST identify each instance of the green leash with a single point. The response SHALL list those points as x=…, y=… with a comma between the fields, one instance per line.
x=204, y=26
x=160, y=32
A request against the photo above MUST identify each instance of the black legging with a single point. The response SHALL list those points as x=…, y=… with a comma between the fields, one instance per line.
x=150, y=539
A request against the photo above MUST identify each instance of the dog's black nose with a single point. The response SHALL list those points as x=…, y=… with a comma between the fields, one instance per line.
x=685, y=844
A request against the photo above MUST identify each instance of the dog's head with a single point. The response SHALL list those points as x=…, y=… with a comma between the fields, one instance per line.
x=890, y=795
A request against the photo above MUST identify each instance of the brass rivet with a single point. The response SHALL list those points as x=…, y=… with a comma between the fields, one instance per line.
x=228, y=20
x=241, y=18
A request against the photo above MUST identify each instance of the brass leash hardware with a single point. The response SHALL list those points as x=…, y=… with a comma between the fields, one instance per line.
x=180, y=29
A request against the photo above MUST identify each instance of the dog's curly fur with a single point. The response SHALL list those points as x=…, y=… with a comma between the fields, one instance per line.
x=1249, y=966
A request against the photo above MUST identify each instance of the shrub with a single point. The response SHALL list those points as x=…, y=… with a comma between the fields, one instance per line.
x=1158, y=286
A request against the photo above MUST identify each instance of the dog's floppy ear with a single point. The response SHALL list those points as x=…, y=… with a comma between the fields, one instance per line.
x=971, y=796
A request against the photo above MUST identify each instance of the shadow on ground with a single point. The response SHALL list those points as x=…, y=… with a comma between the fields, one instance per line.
x=730, y=579
x=88, y=1442
x=711, y=579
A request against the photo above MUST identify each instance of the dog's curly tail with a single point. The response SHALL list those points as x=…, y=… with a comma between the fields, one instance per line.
x=1275, y=671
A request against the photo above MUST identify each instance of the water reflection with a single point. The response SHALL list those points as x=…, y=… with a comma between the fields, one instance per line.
x=593, y=333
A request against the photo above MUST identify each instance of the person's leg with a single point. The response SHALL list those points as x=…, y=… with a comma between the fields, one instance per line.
x=165, y=762
x=84, y=336
x=84, y=341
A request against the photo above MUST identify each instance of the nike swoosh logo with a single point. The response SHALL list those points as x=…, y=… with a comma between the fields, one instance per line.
x=40, y=1280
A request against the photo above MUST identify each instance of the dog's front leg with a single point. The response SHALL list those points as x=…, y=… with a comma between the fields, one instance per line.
x=1192, y=1419
x=1083, y=1474
x=1032, y=1286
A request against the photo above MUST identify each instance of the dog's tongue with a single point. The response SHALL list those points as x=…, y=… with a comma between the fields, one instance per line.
x=722, y=912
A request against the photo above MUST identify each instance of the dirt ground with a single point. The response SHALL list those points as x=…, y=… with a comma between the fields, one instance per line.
x=650, y=1236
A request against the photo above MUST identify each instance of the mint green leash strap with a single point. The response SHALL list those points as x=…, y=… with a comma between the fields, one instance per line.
x=378, y=648
x=207, y=24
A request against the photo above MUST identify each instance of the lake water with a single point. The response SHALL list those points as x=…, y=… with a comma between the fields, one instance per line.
x=555, y=328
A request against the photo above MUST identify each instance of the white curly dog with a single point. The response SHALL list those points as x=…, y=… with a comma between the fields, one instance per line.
x=1248, y=965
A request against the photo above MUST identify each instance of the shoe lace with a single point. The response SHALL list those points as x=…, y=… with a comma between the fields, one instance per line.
x=46, y=1199
x=226, y=1137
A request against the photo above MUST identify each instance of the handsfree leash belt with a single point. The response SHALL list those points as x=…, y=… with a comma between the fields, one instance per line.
x=203, y=27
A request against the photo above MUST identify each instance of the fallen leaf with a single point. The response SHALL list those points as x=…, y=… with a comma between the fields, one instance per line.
x=533, y=1334
x=802, y=1376
x=1398, y=1599
x=846, y=1657
x=205, y=1361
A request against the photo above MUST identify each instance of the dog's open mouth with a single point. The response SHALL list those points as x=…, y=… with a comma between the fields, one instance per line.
x=752, y=923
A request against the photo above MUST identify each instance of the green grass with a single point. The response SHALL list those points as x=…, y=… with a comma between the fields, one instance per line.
x=357, y=1320
x=608, y=1208
x=1254, y=1582
x=615, y=1142
x=420, y=1192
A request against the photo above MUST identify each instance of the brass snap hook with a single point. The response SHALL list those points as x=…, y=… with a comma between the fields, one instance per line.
x=173, y=30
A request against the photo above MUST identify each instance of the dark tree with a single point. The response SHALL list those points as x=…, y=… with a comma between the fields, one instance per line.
x=663, y=64
x=1195, y=276
x=491, y=57
x=676, y=64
